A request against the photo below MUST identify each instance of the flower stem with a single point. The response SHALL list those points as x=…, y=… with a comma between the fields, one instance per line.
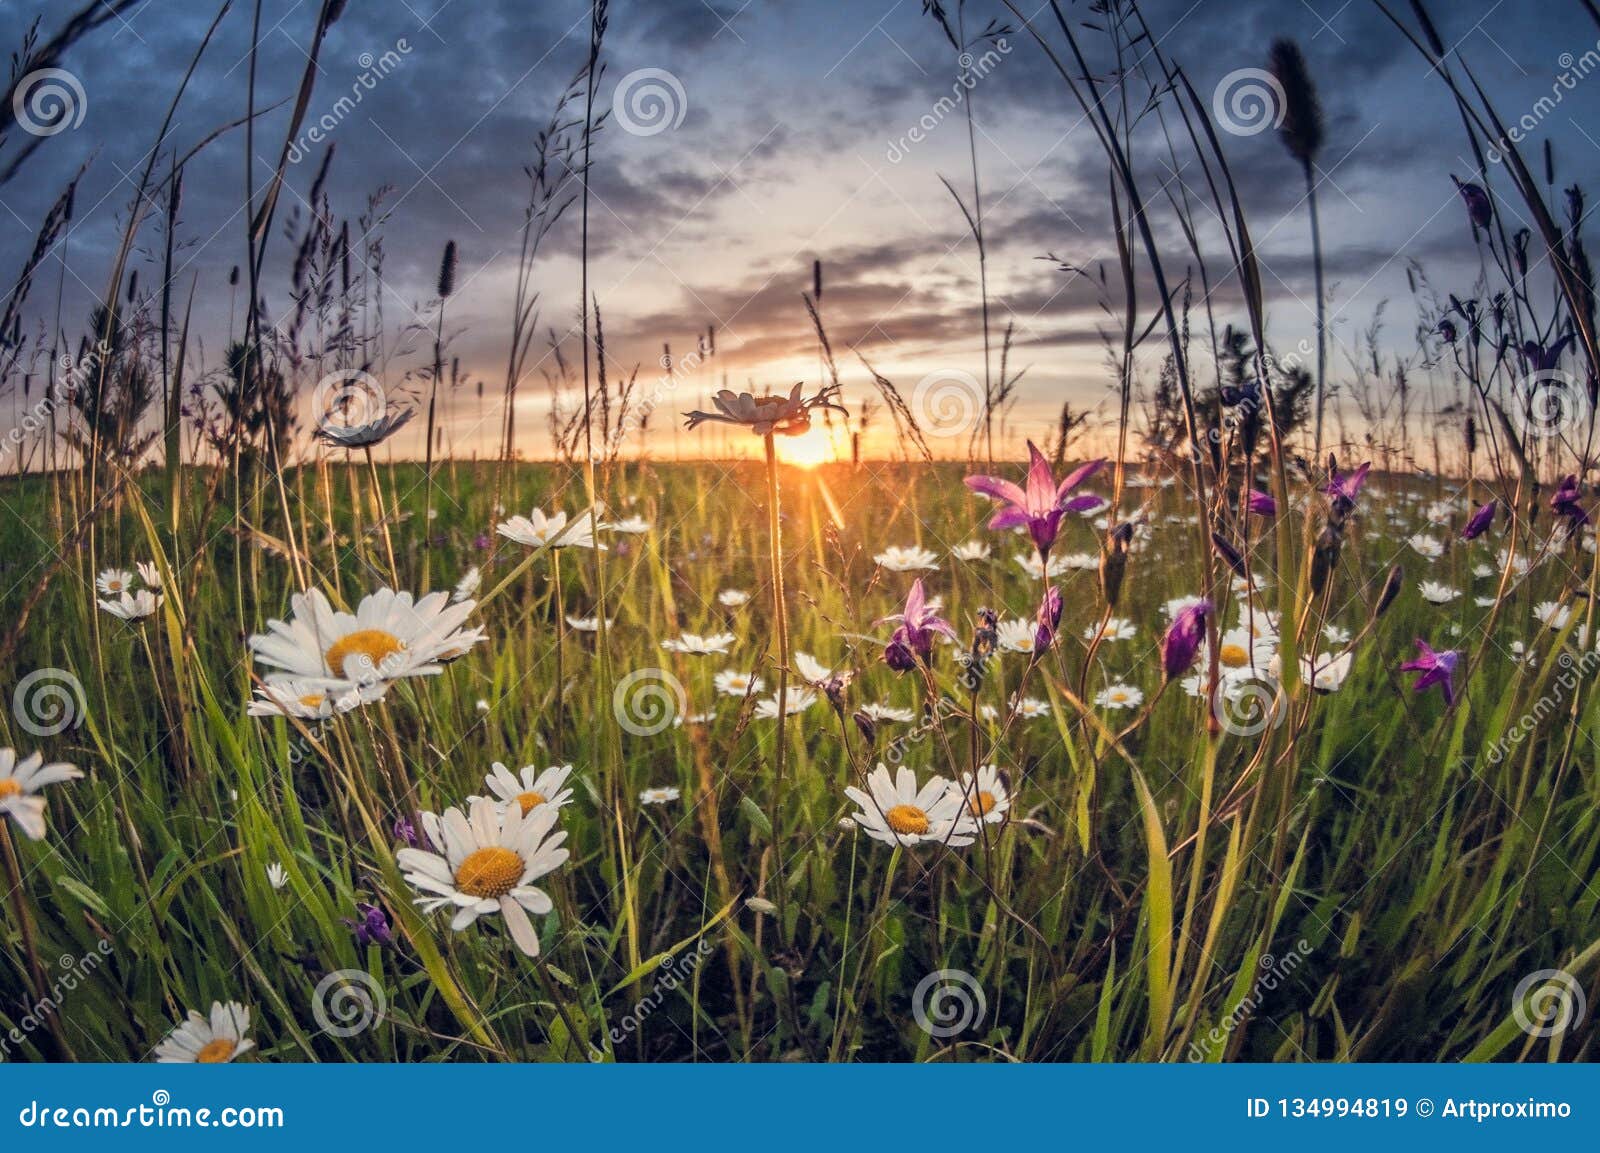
x=780, y=616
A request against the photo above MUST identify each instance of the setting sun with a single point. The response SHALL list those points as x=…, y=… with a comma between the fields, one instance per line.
x=813, y=447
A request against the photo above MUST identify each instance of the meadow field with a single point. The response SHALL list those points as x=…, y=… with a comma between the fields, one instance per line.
x=355, y=711
x=1367, y=873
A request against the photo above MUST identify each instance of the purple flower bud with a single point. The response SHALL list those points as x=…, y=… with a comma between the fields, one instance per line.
x=1183, y=639
x=371, y=927
x=898, y=655
x=1479, y=210
x=405, y=832
x=1447, y=330
x=1262, y=505
x=1480, y=521
x=1049, y=620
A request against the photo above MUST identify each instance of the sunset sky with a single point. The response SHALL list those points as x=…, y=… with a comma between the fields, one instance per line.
x=794, y=145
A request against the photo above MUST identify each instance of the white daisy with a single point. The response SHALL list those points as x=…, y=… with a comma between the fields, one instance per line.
x=467, y=586
x=1484, y=571
x=150, y=574
x=487, y=864
x=733, y=598
x=810, y=669
x=363, y=435
x=1075, y=560
x=988, y=800
x=732, y=683
x=794, y=701
x=1015, y=635
x=312, y=699
x=539, y=531
x=1336, y=634
x=659, y=796
x=388, y=637
x=114, y=582
x=1175, y=606
x=588, y=624
x=530, y=787
x=1030, y=565
x=1552, y=614
x=276, y=876
x=897, y=812
x=694, y=644
x=1483, y=602
x=133, y=606
x=1116, y=629
x=1436, y=593
x=632, y=525
x=19, y=789
x=887, y=713
x=1430, y=548
x=1030, y=707
x=1119, y=696
x=909, y=559
x=213, y=1042
x=972, y=550
x=1327, y=674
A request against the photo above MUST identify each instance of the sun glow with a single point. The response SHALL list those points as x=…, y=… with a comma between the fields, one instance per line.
x=813, y=447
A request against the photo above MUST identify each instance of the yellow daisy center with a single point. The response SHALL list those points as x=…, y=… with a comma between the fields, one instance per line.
x=373, y=646
x=312, y=700
x=1234, y=656
x=491, y=872
x=9, y=788
x=215, y=1052
x=980, y=805
x=907, y=819
x=530, y=801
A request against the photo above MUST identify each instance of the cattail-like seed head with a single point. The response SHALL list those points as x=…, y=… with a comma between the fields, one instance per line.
x=447, y=271
x=1302, y=130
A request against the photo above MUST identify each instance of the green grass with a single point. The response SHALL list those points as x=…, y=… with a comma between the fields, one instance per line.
x=1414, y=879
